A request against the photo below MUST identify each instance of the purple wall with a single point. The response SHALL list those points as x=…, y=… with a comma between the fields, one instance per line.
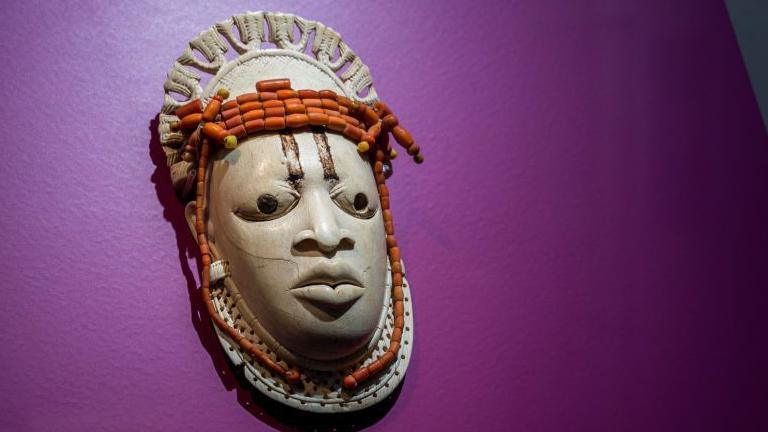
x=587, y=241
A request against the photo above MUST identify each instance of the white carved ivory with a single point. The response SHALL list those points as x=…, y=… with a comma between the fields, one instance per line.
x=308, y=283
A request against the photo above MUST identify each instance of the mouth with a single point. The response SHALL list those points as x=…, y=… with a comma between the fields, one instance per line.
x=329, y=296
x=329, y=287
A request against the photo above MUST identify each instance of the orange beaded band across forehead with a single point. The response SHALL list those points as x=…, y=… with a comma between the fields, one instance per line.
x=276, y=107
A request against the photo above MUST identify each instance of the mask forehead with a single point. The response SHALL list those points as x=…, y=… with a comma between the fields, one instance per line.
x=328, y=156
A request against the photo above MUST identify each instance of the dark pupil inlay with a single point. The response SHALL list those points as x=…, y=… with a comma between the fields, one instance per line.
x=361, y=202
x=267, y=204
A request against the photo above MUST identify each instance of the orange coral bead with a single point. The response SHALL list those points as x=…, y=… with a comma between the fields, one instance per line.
x=399, y=321
x=273, y=103
x=396, y=266
x=247, y=97
x=253, y=115
x=375, y=367
x=336, y=123
x=267, y=96
x=389, y=122
x=352, y=132
x=250, y=106
x=351, y=120
x=402, y=136
x=394, y=253
x=297, y=120
x=293, y=376
x=329, y=94
x=350, y=382
x=370, y=116
x=274, y=112
x=318, y=119
x=234, y=121
x=389, y=228
x=230, y=113
x=393, y=347
x=229, y=105
x=191, y=121
x=361, y=374
x=188, y=108
x=397, y=293
x=295, y=109
x=273, y=85
x=274, y=123
x=287, y=93
x=213, y=107
x=397, y=333
x=214, y=131
x=308, y=94
x=238, y=131
x=329, y=104
x=254, y=126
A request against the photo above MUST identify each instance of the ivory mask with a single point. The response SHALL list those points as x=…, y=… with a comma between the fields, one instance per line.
x=300, y=270
x=307, y=253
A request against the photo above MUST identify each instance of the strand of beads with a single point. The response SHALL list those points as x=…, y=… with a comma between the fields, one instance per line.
x=290, y=375
x=363, y=373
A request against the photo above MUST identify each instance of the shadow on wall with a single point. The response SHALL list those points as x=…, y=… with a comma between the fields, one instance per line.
x=274, y=414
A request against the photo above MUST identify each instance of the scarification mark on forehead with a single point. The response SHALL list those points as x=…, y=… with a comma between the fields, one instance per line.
x=324, y=152
x=291, y=152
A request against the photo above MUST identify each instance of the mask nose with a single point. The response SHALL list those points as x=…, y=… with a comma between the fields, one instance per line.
x=324, y=234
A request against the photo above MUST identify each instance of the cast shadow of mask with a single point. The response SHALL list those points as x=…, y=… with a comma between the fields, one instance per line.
x=276, y=415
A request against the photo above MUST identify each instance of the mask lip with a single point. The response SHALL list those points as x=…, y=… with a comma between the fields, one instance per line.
x=315, y=396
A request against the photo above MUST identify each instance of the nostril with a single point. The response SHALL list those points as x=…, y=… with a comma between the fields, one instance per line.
x=309, y=242
x=346, y=244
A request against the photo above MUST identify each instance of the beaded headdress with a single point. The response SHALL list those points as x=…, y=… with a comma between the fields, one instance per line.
x=196, y=122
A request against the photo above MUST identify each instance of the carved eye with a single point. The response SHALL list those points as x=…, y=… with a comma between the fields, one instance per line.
x=267, y=206
x=361, y=202
x=358, y=205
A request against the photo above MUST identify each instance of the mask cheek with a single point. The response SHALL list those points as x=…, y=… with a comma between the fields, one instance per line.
x=264, y=284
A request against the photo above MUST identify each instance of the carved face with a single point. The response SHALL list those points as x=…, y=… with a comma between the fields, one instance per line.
x=297, y=216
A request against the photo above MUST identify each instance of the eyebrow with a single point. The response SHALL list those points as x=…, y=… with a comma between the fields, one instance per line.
x=291, y=152
x=324, y=152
